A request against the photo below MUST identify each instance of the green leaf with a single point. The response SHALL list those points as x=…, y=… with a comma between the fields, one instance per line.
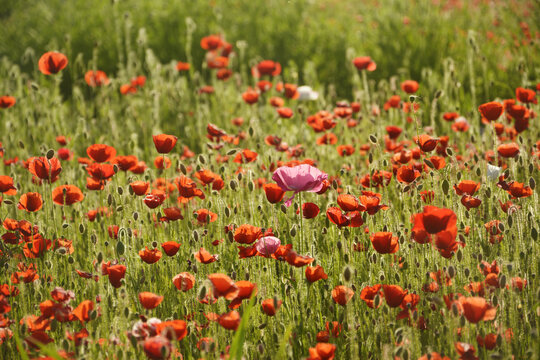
x=240, y=335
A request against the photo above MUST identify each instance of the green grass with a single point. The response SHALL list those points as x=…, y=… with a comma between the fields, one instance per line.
x=446, y=51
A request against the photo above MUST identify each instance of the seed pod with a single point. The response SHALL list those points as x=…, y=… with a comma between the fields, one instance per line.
x=451, y=271
x=347, y=274
x=202, y=293
x=50, y=154
x=293, y=231
x=445, y=186
x=120, y=248
x=502, y=281
x=183, y=169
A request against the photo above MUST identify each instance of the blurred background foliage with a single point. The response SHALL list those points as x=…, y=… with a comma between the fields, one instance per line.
x=403, y=37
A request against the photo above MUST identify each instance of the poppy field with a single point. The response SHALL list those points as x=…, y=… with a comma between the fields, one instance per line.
x=259, y=198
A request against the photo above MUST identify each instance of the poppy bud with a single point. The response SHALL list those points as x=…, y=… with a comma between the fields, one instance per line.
x=373, y=139
x=283, y=208
x=347, y=274
x=120, y=248
x=293, y=231
x=532, y=183
x=195, y=235
x=233, y=184
x=202, y=293
x=451, y=271
x=502, y=281
x=376, y=301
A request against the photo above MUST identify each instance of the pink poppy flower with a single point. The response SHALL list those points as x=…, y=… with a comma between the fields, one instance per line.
x=299, y=178
x=267, y=245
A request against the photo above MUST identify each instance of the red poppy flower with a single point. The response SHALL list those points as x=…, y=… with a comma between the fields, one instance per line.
x=291, y=91
x=345, y=150
x=270, y=306
x=342, y=294
x=434, y=220
x=67, y=195
x=477, y=309
x=470, y=202
x=526, y=95
x=211, y=42
x=426, y=142
x=335, y=215
x=52, y=62
x=116, y=274
x=30, y=202
x=6, y=185
x=407, y=174
x=101, y=152
x=164, y=143
x=82, y=311
x=45, y=169
x=438, y=162
x=384, y=242
x=7, y=101
x=184, y=281
x=149, y=300
x=157, y=347
x=172, y=329
x=204, y=257
x=170, y=247
x=247, y=234
x=518, y=190
x=205, y=216
x=128, y=89
x=296, y=260
x=182, y=66
x=150, y=256
x=250, y=96
x=100, y=171
x=394, y=295
x=315, y=273
x=230, y=320
x=266, y=67
x=223, y=286
x=409, y=86
x=450, y=116
x=327, y=139
x=125, y=163
x=245, y=290
x=489, y=341
x=348, y=202
x=369, y=293
x=310, y=210
x=285, y=113
x=364, y=63
x=467, y=187
x=245, y=156
x=491, y=110
x=393, y=131
x=153, y=201
x=96, y=78
x=509, y=150
x=273, y=192
x=140, y=188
